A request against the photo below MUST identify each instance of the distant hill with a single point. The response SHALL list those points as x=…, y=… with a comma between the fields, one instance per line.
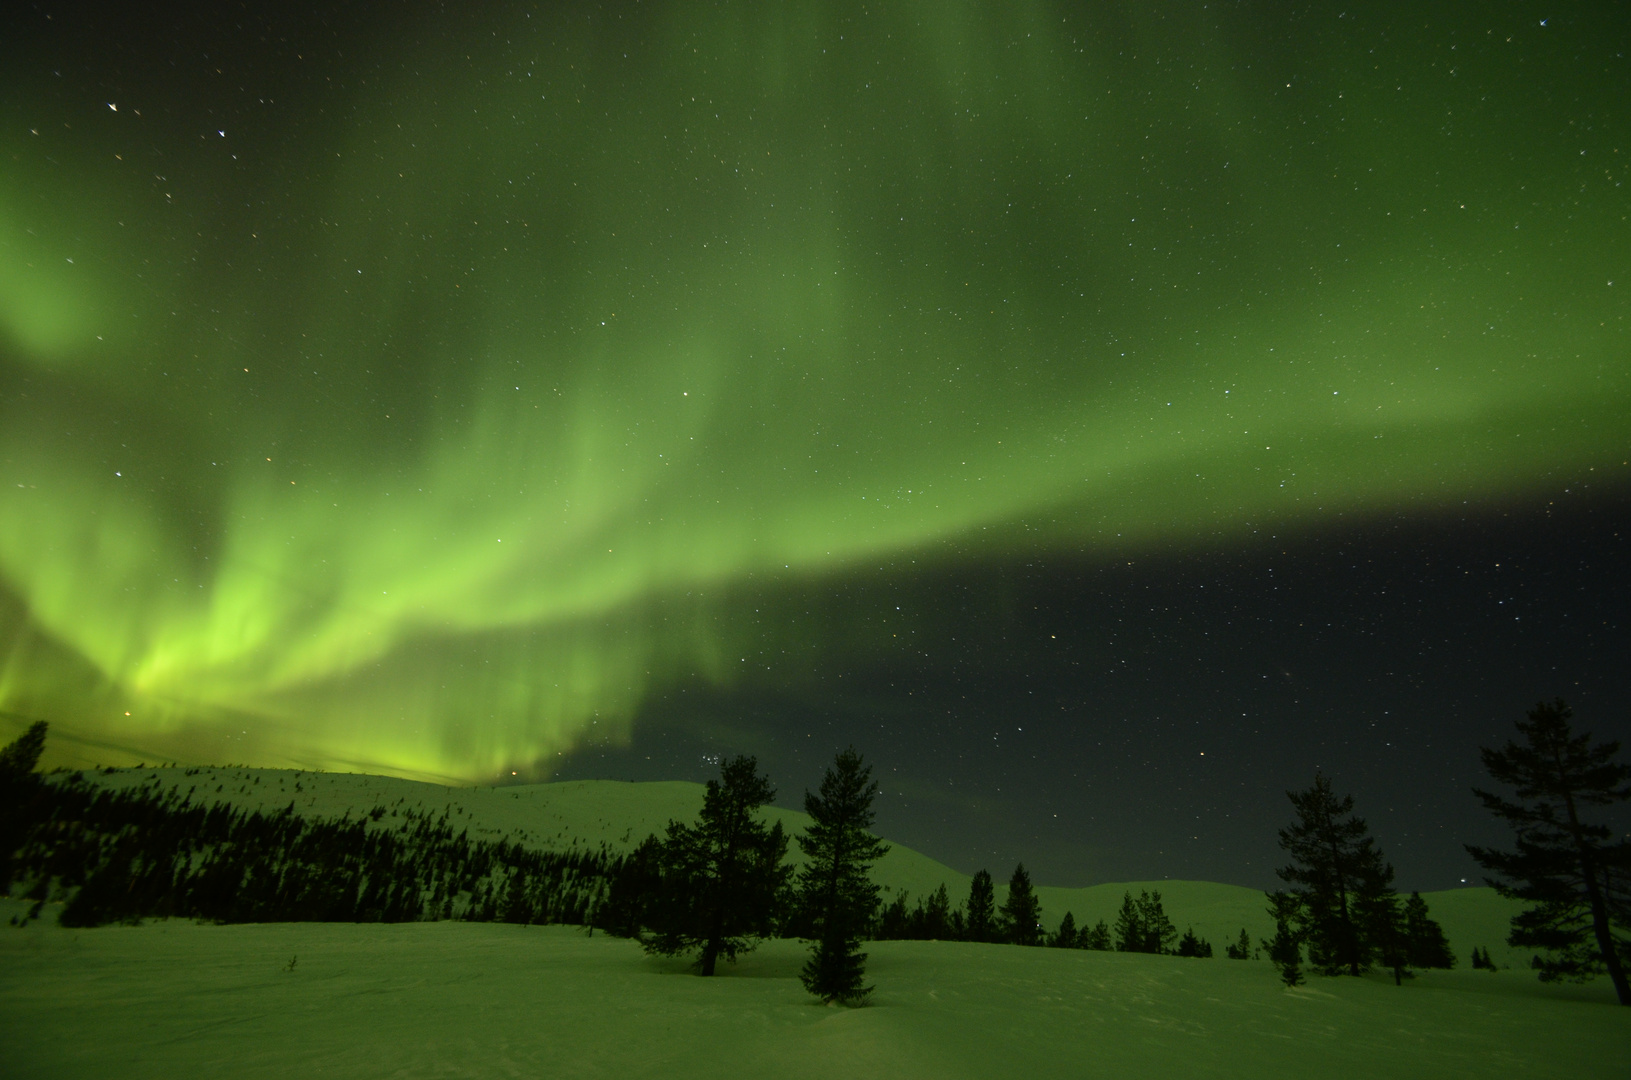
x=618, y=815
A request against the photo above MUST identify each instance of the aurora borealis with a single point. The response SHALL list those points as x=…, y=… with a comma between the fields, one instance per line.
x=428, y=393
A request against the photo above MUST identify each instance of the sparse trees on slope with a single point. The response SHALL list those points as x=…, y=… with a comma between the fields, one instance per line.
x=835, y=886
x=980, y=923
x=1573, y=875
x=723, y=877
x=1021, y=911
x=1336, y=873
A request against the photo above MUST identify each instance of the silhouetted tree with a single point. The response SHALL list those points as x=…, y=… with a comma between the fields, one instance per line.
x=1573, y=875
x=1337, y=873
x=835, y=885
x=1065, y=937
x=1190, y=945
x=980, y=922
x=894, y=922
x=19, y=789
x=722, y=877
x=1021, y=911
x=20, y=756
x=1241, y=949
x=1285, y=948
x=937, y=925
x=1097, y=939
x=1425, y=943
x=1142, y=925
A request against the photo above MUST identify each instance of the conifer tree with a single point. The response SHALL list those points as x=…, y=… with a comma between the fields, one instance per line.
x=1241, y=949
x=937, y=925
x=1065, y=937
x=1285, y=948
x=1096, y=938
x=1337, y=873
x=1425, y=943
x=22, y=754
x=980, y=921
x=835, y=885
x=723, y=877
x=1142, y=924
x=1021, y=911
x=1572, y=874
x=17, y=787
x=1189, y=945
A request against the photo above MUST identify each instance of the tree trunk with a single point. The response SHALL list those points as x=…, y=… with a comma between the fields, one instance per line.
x=1594, y=893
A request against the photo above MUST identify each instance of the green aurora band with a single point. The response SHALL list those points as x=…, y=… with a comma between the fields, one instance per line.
x=431, y=433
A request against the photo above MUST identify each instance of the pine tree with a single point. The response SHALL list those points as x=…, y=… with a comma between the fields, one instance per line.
x=1192, y=946
x=1097, y=939
x=18, y=790
x=22, y=754
x=1241, y=949
x=723, y=877
x=1285, y=948
x=937, y=925
x=1158, y=929
x=1021, y=911
x=1339, y=871
x=1425, y=943
x=835, y=885
x=1573, y=875
x=980, y=922
x=1129, y=926
x=1065, y=937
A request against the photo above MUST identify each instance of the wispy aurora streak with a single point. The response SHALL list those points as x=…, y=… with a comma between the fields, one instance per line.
x=428, y=434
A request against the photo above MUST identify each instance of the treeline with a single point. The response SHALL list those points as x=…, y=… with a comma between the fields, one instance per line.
x=123, y=856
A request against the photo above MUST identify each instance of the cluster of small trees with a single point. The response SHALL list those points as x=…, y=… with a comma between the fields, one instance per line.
x=1573, y=876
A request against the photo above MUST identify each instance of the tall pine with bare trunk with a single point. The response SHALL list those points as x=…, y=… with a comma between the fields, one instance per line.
x=1572, y=873
x=1338, y=880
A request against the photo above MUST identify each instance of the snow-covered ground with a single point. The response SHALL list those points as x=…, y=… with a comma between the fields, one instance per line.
x=177, y=1000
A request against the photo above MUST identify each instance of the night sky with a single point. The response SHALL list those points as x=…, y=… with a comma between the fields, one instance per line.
x=1100, y=415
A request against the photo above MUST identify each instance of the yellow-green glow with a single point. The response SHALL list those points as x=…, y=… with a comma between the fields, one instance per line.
x=437, y=437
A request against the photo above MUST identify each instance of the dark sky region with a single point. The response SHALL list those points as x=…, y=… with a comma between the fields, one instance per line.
x=1100, y=415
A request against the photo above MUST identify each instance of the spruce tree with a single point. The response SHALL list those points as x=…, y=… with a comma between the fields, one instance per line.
x=20, y=756
x=1425, y=943
x=1158, y=929
x=1129, y=926
x=1572, y=874
x=1097, y=939
x=1192, y=946
x=722, y=878
x=1337, y=873
x=835, y=885
x=1065, y=937
x=1285, y=948
x=1021, y=911
x=980, y=923
x=18, y=790
x=1241, y=949
x=937, y=924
